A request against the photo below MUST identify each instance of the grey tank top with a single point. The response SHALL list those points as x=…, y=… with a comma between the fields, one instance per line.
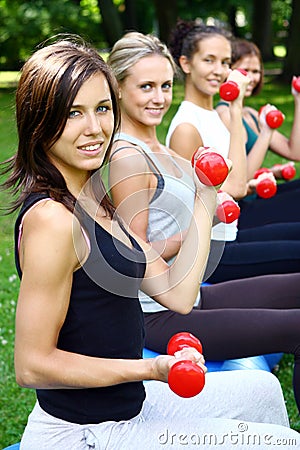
x=171, y=207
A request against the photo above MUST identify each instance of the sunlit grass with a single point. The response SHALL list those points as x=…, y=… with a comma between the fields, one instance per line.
x=9, y=79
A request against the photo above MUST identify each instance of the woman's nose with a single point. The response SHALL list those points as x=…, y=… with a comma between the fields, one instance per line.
x=219, y=67
x=158, y=96
x=93, y=125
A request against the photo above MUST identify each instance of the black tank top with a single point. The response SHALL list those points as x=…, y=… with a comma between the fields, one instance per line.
x=104, y=320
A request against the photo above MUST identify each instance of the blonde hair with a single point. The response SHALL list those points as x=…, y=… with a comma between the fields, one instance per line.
x=132, y=47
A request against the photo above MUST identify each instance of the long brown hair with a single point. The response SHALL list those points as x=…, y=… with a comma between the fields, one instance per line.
x=240, y=49
x=49, y=83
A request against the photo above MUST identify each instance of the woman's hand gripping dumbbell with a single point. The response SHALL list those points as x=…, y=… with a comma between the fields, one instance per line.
x=263, y=183
x=230, y=89
x=228, y=209
x=270, y=115
x=186, y=378
x=210, y=167
x=286, y=171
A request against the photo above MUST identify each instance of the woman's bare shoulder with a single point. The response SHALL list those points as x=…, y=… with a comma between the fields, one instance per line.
x=49, y=215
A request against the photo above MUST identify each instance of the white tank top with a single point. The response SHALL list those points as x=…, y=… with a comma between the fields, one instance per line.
x=171, y=208
x=214, y=134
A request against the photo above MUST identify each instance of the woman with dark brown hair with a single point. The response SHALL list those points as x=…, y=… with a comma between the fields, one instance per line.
x=279, y=214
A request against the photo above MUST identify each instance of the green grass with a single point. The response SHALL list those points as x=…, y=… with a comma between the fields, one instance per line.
x=8, y=79
x=15, y=402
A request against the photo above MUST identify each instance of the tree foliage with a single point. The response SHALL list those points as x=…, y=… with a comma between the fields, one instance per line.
x=24, y=24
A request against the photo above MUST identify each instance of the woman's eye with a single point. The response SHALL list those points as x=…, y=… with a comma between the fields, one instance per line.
x=103, y=109
x=146, y=87
x=167, y=86
x=73, y=114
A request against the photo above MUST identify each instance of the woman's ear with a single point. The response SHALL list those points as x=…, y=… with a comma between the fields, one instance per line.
x=184, y=64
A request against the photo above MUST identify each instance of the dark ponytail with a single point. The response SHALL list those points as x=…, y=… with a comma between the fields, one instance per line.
x=185, y=37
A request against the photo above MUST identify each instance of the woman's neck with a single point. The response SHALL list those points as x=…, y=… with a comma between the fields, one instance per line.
x=75, y=177
x=199, y=98
x=144, y=133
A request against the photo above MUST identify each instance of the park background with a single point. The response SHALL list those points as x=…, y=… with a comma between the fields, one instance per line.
x=272, y=24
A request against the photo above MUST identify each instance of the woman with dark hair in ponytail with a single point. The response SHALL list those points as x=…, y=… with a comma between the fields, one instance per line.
x=204, y=53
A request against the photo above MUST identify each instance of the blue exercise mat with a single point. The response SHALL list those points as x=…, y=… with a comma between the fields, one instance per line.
x=13, y=447
x=261, y=362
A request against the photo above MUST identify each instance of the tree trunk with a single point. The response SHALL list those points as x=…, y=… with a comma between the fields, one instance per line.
x=167, y=14
x=130, y=16
x=111, y=22
x=262, y=28
x=232, y=10
x=292, y=61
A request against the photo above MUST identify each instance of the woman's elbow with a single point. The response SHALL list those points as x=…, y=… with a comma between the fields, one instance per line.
x=24, y=378
x=183, y=309
x=186, y=311
x=26, y=375
x=239, y=191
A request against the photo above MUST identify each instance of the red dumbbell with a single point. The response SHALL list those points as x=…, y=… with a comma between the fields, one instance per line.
x=228, y=210
x=211, y=168
x=185, y=378
x=260, y=171
x=296, y=83
x=274, y=118
x=287, y=171
x=229, y=90
x=266, y=187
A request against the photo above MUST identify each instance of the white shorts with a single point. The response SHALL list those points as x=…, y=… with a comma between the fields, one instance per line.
x=224, y=415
